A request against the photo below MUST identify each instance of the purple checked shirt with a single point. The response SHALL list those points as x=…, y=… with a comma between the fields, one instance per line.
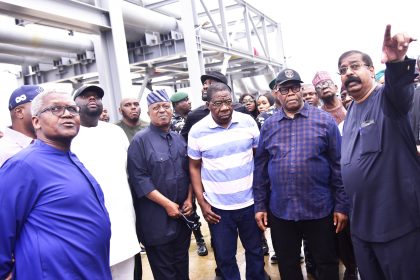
x=299, y=161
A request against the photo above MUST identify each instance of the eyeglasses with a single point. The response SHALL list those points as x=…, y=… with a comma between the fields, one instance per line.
x=285, y=90
x=219, y=104
x=59, y=110
x=325, y=84
x=246, y=101
x=354, y=67
x=165, y=107
x=192, y=225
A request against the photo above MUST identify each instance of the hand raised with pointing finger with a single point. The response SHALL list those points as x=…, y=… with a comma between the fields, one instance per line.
x=395, y=48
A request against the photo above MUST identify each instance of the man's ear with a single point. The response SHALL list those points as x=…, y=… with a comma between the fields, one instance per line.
x=119, y=110
x=207, y=104
x=19, y=112
x=35, y=123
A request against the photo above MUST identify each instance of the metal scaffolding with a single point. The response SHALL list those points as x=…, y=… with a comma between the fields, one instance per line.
x=150, y=42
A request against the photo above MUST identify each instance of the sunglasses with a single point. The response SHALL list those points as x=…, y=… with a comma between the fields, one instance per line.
x=192, y=225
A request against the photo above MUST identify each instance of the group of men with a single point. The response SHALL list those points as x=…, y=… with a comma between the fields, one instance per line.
x=69, y=210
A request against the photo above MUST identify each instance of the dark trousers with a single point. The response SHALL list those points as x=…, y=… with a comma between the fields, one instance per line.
x=395, y=259
x=345, y=248
x=196, y=218
x=138, y=269
x=170, y=261
x=287, y=240
x=225, y=238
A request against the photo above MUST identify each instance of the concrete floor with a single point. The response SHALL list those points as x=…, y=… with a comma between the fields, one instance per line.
x=202, y=268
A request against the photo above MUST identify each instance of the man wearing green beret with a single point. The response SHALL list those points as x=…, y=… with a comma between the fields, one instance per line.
x=182, y=106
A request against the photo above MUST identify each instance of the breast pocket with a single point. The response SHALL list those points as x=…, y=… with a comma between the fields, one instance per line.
x=370, y=138
x=161, y=162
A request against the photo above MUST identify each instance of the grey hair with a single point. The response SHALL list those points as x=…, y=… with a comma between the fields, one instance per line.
x=39, y=101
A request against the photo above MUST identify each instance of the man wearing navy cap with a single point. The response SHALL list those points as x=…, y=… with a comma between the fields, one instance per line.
x=297, y=181
x=160, y=182
x=21, y=133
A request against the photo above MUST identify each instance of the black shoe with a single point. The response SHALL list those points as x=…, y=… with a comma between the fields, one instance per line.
x=264, y=246
x=350, y=274
x=202, y=249
x=273, y=259
x=217, y=272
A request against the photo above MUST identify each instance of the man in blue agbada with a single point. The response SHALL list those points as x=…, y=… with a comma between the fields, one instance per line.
x=53, y=220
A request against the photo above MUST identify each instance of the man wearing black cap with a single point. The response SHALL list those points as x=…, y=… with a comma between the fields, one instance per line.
x=197, y=114
x=159, y=178
x=21, y=133
x=108, y=165
x=297, y=181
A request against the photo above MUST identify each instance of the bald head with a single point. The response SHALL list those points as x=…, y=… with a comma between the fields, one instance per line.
x=130, y=110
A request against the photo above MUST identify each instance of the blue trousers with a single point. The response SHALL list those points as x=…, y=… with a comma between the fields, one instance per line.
x=395, y=259
x=225, y=238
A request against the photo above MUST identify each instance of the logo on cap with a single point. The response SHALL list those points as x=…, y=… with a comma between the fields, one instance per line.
x=289, y=73
x=20, y=98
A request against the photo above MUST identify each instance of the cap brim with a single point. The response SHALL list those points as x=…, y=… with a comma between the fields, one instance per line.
x=205, y=77
x=93, y=88
x=299, y=81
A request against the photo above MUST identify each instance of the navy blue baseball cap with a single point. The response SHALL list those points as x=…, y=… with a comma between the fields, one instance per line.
x=23, y=94
x=288, y=75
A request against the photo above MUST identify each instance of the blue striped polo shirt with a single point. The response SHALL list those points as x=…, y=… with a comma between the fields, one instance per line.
x=227, y=159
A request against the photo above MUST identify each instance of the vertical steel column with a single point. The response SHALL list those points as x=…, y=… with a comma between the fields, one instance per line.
x=112, y=59
x=279, y=39
x=193, y=49
x=223, y=23
x=248, y=30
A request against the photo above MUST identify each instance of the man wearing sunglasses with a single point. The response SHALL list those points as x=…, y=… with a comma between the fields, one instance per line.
x=297, y=182
x=53, y=218
x=380, y=165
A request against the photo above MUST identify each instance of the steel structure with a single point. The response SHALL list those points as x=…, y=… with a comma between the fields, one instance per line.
x=139, y=42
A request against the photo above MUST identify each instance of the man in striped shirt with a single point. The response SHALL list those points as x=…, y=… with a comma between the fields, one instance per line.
x=221, y=148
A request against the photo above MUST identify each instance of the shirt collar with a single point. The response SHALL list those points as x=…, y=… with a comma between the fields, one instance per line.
x=19, y=138
x=158, y=131
x=213, y=124
x=304, y=112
